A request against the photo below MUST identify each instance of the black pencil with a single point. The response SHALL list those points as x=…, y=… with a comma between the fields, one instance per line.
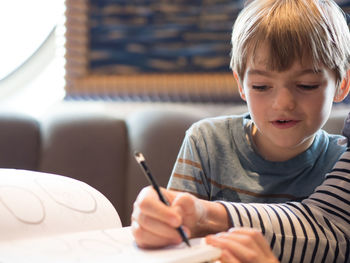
x=142, y=162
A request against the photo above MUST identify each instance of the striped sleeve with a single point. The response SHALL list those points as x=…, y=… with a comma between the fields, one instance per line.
x=314, y=230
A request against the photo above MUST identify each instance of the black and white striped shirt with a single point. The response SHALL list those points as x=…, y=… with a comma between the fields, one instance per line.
x=314, y=230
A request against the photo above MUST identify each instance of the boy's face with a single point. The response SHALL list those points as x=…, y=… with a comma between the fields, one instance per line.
x=287, y=107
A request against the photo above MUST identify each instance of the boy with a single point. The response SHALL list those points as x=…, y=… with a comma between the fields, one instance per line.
x=287, y=70
x=291, y=61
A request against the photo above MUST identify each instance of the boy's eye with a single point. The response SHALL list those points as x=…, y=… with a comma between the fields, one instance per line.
x=308, y=87
x=259, y=88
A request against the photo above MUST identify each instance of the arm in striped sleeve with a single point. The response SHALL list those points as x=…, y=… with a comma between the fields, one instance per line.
x=314, y=230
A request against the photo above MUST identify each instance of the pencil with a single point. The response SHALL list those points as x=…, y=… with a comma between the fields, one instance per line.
x=142, y=162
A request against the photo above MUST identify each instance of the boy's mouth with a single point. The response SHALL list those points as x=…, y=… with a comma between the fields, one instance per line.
x=284, y=123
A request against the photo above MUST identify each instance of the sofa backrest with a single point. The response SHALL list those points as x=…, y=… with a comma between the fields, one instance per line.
x=90, y=147
x=19, y=141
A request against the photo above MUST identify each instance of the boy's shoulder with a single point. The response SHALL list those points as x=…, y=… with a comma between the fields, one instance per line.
x=333, y=142
x=219, y=124
x=216, y=121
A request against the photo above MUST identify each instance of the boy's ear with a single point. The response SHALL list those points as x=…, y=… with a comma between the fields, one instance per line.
x=239, y=85
x=344, y=88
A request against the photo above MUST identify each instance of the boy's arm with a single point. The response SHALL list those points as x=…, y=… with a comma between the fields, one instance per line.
x=317, y=228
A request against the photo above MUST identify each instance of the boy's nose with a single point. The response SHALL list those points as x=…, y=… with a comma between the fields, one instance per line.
x=284, y=99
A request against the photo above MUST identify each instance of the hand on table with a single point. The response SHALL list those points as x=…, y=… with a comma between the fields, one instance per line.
x=242, y=245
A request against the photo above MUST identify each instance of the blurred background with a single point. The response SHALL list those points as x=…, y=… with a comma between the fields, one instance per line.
x=116, y=51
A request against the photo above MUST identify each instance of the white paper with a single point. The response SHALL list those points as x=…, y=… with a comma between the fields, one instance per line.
x=109, y=245
x=52, y=218
x=36, y=204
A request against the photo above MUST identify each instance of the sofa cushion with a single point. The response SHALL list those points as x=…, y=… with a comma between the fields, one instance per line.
x=90, y=147
x=19, y=141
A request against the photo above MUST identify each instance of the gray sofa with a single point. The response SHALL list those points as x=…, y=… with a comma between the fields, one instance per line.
x=95, y=142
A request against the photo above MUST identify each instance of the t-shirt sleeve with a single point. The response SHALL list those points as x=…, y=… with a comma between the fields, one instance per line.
x=188, y=175
x=314, y=230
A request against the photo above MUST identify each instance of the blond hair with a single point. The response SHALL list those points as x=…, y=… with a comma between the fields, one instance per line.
x=292, y=29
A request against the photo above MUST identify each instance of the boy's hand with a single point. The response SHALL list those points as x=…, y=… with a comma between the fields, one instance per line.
x=154, y=224
x=242, y=245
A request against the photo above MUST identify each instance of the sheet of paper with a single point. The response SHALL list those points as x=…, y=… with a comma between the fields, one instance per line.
x=109, y=245
x=36, y=204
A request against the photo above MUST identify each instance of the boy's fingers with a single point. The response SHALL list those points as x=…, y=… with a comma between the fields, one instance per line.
x=153, y=225
x=148, y=239
x=190, y=208
x=256, y=236
x=148, y=204
x=233, y=244
x=153, y=222
x=245, y=245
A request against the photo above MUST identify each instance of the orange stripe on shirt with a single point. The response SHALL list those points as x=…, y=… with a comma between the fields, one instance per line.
x=246, y=192
x=242, y=191
x=221, y=186
x=187, y=177
x=186, y=161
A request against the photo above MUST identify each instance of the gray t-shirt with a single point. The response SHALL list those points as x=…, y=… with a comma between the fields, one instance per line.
x=217, y=161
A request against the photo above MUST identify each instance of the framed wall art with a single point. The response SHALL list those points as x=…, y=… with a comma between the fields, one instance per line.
x=162, y=50
x=169, y=50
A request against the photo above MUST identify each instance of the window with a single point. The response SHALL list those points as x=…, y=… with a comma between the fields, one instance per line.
x=28, y=50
